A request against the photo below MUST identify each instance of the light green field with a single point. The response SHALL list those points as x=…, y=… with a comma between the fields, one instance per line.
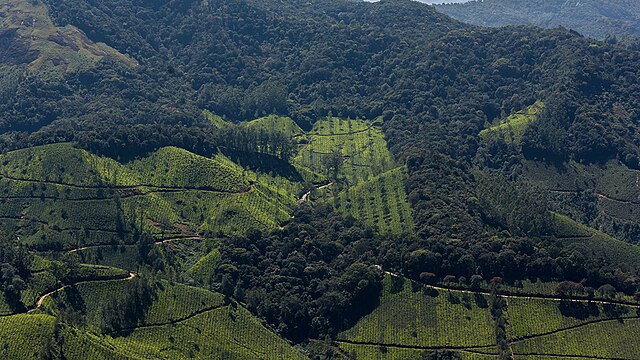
x=370, y=186
x=25, y=336
x=224, y=333
x=170, y=302
x=529, y=317
x=361, y=144
x=275, y=123
x=513, y=127
x=59, y=197
x=409, y=314
x=607, y=340
x=380, y=202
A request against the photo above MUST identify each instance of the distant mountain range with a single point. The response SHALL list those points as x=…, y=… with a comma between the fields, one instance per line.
x=594, y=18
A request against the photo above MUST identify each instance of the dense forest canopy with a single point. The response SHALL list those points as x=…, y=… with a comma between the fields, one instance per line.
x=468, y=111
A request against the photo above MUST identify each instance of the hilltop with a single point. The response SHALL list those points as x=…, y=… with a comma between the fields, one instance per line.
x=593, y=18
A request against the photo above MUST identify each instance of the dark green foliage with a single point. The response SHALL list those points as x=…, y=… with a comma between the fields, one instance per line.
x=311, y=278
x=512, y=206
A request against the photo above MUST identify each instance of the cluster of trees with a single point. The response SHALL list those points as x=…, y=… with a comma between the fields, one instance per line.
x=15, y=261
x=310, y=279
x=124, y=310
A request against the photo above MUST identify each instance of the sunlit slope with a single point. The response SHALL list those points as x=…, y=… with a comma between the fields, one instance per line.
x=176, y=322
x=59, y=197
x=414, y=319
x=353, y=157
x=35, y=41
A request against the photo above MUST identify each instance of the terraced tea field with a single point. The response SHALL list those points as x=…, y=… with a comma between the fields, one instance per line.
x=413, y=320
x=370, y=186
x=61, y=198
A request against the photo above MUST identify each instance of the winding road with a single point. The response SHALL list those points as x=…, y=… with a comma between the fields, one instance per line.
x=42, y=298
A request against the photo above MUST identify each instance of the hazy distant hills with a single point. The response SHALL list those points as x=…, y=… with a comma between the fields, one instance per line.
x=593, y=18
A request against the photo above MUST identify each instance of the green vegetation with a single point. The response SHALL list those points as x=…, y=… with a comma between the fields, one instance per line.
x=369, y=186
x=530, y=317
x=353, y=150
x=274, y=123
x=224, y=333
x=512, y=128
x=592, y=242
x=17, y=331
x=42, y=46
x=381, y=201
x=410, y=314
x=609, y=339
x=66, y=198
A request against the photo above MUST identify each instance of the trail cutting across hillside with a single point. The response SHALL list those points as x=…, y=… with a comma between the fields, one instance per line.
x=155, y=188
x=42, y=298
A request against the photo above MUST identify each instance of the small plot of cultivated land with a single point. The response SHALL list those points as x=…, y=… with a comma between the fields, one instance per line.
x=575, y=235
x=372, y=184
x=412, y=315
x=380, y=201
x=224, y=333
x=614, y=339
x=412, y=320
x=530, y=317
x=360, y=144
x=170, y=302
x=512, y=128
x=21, y=329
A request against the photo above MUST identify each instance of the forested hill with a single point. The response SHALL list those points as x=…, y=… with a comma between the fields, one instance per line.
x=593, y=18
x=519, y=149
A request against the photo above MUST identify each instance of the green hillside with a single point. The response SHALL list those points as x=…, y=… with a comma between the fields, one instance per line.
x=413, y=321
x=179, y=322
x=512, y=128
x=411, y=315
x=380, y=201
x=56, y=196
x=41, y=45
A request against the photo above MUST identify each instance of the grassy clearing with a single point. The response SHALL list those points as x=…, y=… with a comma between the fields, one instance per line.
x=410, y=314
x=512, y=128
x=607, y=340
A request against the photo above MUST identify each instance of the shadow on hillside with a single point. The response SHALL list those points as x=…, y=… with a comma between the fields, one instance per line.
x=266, y=164
x=578, y=310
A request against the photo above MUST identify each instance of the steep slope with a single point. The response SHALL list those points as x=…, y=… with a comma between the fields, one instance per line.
x=589, y=17
x=30, y=38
